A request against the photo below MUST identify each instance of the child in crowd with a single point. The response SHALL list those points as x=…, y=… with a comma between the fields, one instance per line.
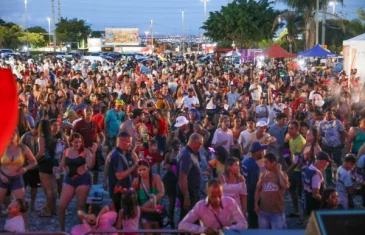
x=129, y=214
x=104, y=221
x=15, y=221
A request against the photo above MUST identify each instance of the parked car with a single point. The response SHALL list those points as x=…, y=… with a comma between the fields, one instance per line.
x=61, y=55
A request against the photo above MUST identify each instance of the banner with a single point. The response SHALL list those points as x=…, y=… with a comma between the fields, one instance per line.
x=122, y=36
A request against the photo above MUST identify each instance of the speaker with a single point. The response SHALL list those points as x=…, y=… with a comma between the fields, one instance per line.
x=332, y=222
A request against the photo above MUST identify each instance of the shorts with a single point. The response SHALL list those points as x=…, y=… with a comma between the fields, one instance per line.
x=78, y=180
x=14, y=183
x=46, y=166
x=31, y=178
x=147, y=217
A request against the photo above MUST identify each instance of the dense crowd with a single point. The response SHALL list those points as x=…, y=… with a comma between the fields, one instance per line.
x=162, y=129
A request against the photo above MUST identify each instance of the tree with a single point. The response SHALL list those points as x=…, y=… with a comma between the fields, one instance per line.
x=34, y=39
x=360, y=13
x=9, y=36
x=243, y=21
x=308, y=8
x=72, y=30
x=294, y=23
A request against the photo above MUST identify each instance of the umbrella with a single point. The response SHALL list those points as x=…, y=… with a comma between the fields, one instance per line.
x=233, y=54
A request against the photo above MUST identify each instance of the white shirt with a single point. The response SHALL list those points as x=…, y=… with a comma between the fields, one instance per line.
x=41, y=82
x=245, y=138
x=256, y=94
x=262, y=113
x=188, y=101
x=15, y=224
x=202, y=211
x=221, y=136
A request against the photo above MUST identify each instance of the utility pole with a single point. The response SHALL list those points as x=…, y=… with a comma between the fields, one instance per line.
x=54, y=27
x=205, y=9
x=26, y=22
x=183, y=30
x=317, y=21
x=151, y=29
x=49, y=32
x=324, y=24
x=59, y=10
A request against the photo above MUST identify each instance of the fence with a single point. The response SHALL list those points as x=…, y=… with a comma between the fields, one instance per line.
x=141, y=231
x=36, y=233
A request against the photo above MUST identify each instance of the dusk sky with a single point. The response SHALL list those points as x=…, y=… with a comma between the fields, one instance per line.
x=166, y=14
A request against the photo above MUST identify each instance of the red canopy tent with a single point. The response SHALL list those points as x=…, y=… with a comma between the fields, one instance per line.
x=277, y=52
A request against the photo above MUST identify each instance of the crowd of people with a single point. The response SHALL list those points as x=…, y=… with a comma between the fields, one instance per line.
x=256, y=137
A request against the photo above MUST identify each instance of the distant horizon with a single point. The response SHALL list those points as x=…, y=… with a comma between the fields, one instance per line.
x=166, y=14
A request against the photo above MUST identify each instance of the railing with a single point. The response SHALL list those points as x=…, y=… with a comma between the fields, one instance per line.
x=36, y=233
x=140, y=231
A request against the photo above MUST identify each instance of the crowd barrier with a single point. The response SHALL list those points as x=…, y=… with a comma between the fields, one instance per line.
x=36, y=233
x=140, y=231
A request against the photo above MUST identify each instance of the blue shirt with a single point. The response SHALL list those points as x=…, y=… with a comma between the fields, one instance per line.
x=113, y=120
x=76, y=108
x=119, y=162
x=188, y=163
x=251, y=171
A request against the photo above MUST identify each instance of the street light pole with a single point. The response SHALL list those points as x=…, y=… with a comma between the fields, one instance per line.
x=146, y=38
x=49, y=32
x=205, y=9
x=333, y=4
x=183, y=30
x=26, y=21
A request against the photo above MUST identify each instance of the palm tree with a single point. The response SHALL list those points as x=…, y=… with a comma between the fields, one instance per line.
x=307, y=8
x=294, y=25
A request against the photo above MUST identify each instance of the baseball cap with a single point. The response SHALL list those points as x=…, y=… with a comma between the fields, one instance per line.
x=261, y=124
x=180, y=121
x=69, y=113
x=256, y=146
x=323, y=156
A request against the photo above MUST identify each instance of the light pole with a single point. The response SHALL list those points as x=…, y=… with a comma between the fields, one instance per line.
x=205, y=9
x=26, y=21
x=333, y=5
x=317, y=21
x=146, y=38
x=183, y=30
x=49, y=32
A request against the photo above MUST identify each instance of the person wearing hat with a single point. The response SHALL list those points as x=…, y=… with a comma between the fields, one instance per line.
x=184, y=129
x=130, y=126
x=71, y=117
x=251, y=172
x=190, y=101
x=313, y=182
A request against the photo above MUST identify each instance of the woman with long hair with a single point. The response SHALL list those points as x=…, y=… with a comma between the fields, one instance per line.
x=23, y=124
x=77, y=161
x=311, y=147
x=12, y=168
x=234, y=184
x=46, y=161
x=160, y=130
x=150, y=191
x=236, y=131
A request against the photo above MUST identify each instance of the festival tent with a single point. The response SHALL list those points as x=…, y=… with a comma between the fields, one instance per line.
x=316, y=51
x=277, y=52
x=354, y=55
x=232, y=54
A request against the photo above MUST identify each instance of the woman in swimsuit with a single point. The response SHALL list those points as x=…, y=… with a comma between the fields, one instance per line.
x=77, y=161
x=12, y=168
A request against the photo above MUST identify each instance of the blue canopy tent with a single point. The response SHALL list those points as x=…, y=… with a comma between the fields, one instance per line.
x=316, y=51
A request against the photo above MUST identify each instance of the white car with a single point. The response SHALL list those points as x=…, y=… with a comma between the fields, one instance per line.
x=8, y=52
x=61, y=55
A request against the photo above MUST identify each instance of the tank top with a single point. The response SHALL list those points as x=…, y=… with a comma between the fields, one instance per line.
x=359, y=140
x=73, y=164
x=12, y=160
x=234, y=190
x=272, y=198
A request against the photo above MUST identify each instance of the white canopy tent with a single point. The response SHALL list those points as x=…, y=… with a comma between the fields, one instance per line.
x=354, y=55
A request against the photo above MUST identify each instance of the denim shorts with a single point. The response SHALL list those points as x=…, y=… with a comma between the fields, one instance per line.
x=14, y=182
x=272, y=220
x=78, y=180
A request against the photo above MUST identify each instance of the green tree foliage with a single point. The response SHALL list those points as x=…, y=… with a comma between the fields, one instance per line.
x=360, y=13
x=9, y=35
x=72, y=30
x=34, y=39
x=243, y=21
